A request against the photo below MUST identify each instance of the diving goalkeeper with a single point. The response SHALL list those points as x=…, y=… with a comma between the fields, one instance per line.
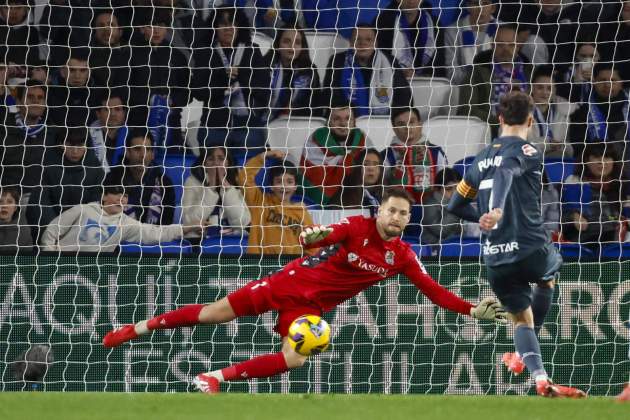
x=355, y=254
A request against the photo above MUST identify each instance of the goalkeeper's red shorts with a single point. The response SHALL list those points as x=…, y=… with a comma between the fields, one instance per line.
x=256, y=298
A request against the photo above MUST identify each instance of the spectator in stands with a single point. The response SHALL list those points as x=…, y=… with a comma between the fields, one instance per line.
x=339, y=16
x=277, y=219
x=72, y=175
x=576, y=80
x=25, y=137
x=102, y=225
x=269, y=15
x=110, y=59
x=71, y=99
x=363, y=188
x=108, y=132
x=469, y=36
x=412, y=160
x=159, y=82
x=232, y=80
x=6, y=99
x=557, y=25
x=294, y=81
x=438, y=223
x=494, y=72
x=551, y=115
x=149, y=191
x=367, y=77
x=329, y=155
x=595, y=197
x=211, y=194
x=406, y=32
x=605, y=115
x=63, y=25
x=19, y=36
x=15, y=234
x=614, y=40
x=550, y=203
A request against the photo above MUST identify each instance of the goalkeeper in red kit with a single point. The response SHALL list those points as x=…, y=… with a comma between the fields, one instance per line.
x=355, y=254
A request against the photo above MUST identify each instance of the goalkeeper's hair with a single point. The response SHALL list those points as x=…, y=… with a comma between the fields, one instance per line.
x=397, y=192
x=515, y=107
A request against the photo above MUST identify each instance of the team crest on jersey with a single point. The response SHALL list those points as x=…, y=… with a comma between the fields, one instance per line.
x=389, y=257
x=365, y=242
x=352, y=257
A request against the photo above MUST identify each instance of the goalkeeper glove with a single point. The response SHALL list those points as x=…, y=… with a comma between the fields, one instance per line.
x=314, y=234
x=491, y=310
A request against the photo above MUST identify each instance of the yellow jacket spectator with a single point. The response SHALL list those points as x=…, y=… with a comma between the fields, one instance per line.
x=276, y=220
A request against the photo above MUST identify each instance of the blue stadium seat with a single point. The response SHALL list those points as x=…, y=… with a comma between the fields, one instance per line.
x=558, y=170
x=460, y=247
x=618, y=250
x=461, y=165
x=225, y=245
x=177, y=168
x=420, y=250
x=574, y=250
x=174, y=247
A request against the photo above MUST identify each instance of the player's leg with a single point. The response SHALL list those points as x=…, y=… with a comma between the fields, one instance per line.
x=252, y=299
x=544, y=290
x=258, y=367
x=261, y=366
x=213, y=313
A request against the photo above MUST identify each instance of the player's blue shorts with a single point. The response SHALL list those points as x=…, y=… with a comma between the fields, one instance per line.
x=511, y=282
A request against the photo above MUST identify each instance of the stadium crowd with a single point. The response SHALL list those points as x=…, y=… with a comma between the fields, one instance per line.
x=97, y=147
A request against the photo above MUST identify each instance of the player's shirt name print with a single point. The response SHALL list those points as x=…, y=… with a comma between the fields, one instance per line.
x=489, y=162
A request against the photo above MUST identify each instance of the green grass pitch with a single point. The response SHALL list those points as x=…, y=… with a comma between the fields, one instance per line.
x=113, y=406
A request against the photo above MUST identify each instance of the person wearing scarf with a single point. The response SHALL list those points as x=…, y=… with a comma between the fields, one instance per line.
x=406, y=32
x=494, y=73
x=606, y=116
x=595, y=198
x=232, y=79
x=551, y=116
x=159, y=81
x=109, y=132
x=329, y=156
x=294, y=81
x=367, y=78
x=25, y=138
x=411, y=160
x=468, y=37
x=151, y=196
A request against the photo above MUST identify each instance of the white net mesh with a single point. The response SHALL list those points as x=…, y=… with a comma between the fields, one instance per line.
x=157, y=153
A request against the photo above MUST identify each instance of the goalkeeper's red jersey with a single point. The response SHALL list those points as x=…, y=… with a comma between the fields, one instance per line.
x=352, y=258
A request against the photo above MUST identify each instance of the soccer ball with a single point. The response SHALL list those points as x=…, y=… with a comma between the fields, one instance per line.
x=309, y=334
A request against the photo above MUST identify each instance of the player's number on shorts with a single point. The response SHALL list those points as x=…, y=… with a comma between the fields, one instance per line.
x=256, y=286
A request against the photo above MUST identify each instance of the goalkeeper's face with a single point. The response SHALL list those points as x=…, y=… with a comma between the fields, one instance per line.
x=393, y=217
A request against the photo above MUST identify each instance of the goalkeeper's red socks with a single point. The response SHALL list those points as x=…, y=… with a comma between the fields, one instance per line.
x=185, y=316
x=182, y=317
x=259, y=367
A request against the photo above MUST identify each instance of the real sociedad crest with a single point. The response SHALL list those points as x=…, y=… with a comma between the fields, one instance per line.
x=389, y=257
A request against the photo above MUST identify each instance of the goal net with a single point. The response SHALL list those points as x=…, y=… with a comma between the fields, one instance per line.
x=166, y=152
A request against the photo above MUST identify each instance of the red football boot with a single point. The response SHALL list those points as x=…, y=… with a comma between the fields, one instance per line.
x=120, y=335
x=625, y=394
x=513, y=362
x=207, y=384
x=546, y=388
